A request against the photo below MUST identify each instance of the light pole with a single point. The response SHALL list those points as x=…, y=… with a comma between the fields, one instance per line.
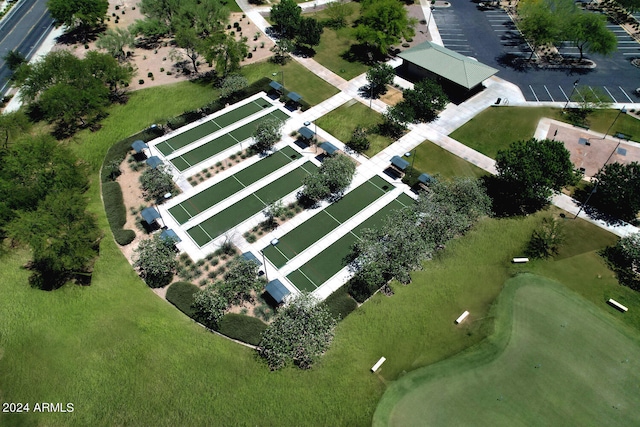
x=575, y=85
x=281, y=77
x=595, y=187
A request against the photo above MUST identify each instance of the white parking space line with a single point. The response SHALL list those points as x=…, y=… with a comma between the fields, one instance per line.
x=534, y=94
x=625, y=94
x=549, y=93
x=563, y=93
x=610, y=94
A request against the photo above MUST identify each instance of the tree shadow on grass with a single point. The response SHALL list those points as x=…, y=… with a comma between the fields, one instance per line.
x=363, y=54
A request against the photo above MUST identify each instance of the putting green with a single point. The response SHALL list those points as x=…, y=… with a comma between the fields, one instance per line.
x=325, y=221
x=202, y=201
x=217, y=145
x=185, y=138
x=323, y=266
x=230, y=217
x=554, y=359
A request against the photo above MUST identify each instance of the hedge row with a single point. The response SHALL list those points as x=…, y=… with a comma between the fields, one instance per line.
x=116, y=212
x=180, y=294
x=340, y=303
x=243, y=328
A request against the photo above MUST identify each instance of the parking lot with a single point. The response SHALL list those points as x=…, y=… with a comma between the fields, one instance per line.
x=491, y=37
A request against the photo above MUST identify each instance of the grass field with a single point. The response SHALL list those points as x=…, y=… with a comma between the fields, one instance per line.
x=554, y=359
x=207, y=198
x=323, y=266
x=217, y=145
x=433, y=159
x=125, y=357
x=497, y=127
x=185, y=138
x=343, y=120
x=228, y=218
x=325, y=221
x=336, y=45
x=297, y=78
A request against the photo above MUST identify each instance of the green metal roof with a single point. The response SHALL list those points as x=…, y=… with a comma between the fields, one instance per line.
x=451, y=65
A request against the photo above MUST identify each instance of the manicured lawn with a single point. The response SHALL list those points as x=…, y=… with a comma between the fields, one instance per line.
x=298, y=79
x=551, y=349
x=125, y=357
x=433, y=159
x=334, y=51
x=343, y=120
x=497, y=127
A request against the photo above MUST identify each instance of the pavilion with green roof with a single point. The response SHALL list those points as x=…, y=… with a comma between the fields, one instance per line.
x=439, y=63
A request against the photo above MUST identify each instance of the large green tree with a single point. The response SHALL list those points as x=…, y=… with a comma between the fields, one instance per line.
x=114, y=41
x=618, y=190
x=155, y=259
x=384, y=23
x=301, y=332
x=287, y=16
x=78, y=13
x=379, y=76
x=538, y=24
x=267, y=133
x=241, y=281
x=588, y=32
x=423, y=102
x=309, y=32
x=333, y=177
x=72, y=91
x=156, y=182
x=532, y=170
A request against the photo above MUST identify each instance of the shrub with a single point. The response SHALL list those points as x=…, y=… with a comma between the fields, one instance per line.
x=181, y=294
x=340, y=304
x=141, y=82
x=116, y=212
x=243, y=328
x=149, y=74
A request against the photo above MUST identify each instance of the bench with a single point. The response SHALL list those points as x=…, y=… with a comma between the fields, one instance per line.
x=617, y=305
x=462, y=317
x=378, y=364
x=520, y=260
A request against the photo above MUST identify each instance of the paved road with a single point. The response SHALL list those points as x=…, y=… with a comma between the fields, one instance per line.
x=23, y=29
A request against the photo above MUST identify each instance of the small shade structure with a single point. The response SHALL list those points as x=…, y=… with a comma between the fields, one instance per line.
x=425, y=179
x=276, y=86
x=399, y=163
x=139, y=146
x=154, y=162
x=170, y=235
x=329, y=148
x=277, y=290
x=295, y=97
x=249, y=256
x=150, y=215
x=306, y=133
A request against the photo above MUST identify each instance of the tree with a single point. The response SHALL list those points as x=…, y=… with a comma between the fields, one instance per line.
x=70, y=90
x=78, y=13
x=281, y=51
x=309, y=32
x=114, y=42
x=379, y=76
x=588, y=31
x=188, y=40
x=338, y=173
x=274, y=211
x=629, y=247
x=227, y=53
x=287, y=16
x=338, y=12
x=12, y=124
x=240, y=281
x=267, y=133
x=62, y=235
x=546, y=239
x=156, y=261
x=359, y=141
x=383, y=23
x=588, y=99
x=538, y=24
x=156, y=182
x=210, y=306
x=392, y=125
x=162, y=11
x=532, y=170
x=333, y=177
x=232, y=84
x=618, y=190
x=630, y=5
x=14, y=59
x=423, y=102
x=300, y=333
